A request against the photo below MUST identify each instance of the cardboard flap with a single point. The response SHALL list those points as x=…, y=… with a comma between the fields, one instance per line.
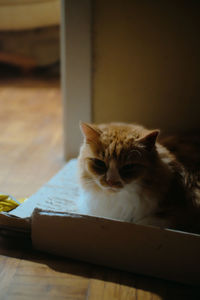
x=59, y=193
x=141, y=249
x=17, y=226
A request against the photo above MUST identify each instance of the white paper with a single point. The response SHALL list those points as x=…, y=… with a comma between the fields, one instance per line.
x=59, y=194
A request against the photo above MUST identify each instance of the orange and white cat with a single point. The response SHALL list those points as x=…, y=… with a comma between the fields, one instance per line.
x=127, y=175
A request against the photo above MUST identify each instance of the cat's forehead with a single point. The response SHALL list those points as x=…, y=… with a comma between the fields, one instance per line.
x=123, y=135
x=119, y=133
x=118, y=142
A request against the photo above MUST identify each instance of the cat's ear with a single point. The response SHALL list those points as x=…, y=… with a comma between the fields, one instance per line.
x=149, y=140
x=90, y=132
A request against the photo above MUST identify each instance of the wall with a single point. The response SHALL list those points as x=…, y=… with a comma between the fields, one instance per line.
x=146, y=66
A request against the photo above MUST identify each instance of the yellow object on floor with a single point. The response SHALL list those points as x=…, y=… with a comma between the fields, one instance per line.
x=8, y=203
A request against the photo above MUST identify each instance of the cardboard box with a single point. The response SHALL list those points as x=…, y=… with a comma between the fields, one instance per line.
x=55, y=227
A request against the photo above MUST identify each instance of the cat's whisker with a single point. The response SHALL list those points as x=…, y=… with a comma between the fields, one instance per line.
x=89, y=182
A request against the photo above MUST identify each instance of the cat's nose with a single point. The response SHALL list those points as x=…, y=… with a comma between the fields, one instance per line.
x=114, y=183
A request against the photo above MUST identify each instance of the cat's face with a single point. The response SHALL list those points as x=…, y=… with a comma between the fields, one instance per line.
x=115, y=155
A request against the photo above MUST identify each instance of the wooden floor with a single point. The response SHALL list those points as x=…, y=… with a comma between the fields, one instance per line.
x=30, y=135
x=30, y=153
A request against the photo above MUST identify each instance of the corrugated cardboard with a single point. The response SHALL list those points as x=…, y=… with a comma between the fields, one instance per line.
x=140, y=249
x=127, y=246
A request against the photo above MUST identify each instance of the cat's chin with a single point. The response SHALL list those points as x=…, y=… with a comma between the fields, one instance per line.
x=110, y=190
x=103, y=188
x=113, y=190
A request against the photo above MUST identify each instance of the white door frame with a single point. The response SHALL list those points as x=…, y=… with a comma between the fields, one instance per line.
x=75, y=71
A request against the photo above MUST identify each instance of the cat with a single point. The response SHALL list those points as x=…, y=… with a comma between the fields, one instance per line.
x=128, y=175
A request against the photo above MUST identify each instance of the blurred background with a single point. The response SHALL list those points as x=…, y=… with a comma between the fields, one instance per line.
x=29, y=36
x=30, y=98
x=147, y=63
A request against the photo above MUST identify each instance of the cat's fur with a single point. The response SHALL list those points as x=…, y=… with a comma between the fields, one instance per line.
x=127, y=175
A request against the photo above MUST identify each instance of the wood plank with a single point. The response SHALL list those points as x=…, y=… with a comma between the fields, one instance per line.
x=119, y=286
x=30, y=135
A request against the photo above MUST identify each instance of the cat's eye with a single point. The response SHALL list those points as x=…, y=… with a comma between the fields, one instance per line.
x=130, y=170
x=98, y=165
